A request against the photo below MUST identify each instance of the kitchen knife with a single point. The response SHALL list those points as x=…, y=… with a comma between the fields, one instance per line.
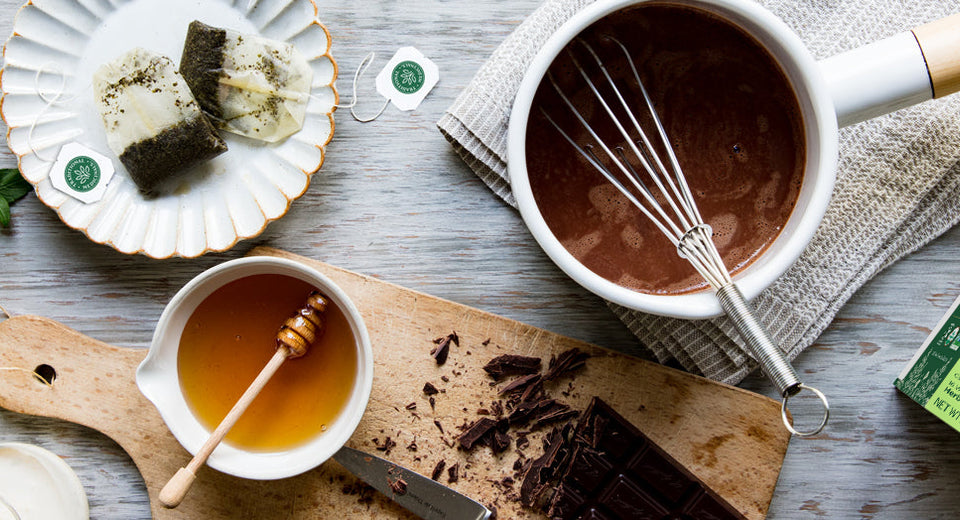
x=422, y=496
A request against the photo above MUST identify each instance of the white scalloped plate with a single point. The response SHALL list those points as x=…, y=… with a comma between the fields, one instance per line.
x=230, y=198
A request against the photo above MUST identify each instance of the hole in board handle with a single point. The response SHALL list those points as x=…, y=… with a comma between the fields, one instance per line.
x=45, y=373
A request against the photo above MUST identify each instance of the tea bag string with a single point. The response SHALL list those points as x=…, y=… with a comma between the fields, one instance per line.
x=361, y=68
x=56, y=99
x=26, y=371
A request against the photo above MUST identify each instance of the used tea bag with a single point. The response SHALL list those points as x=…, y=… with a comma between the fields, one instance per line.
x=152, y=122
x=249, y=85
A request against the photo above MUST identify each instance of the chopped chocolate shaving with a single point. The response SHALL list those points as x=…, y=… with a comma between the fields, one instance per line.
x=412, y=446
x=363, y=491
x=537, y=478
x=445, y=379
x=567, y=361
x=532, y=391
x=497, y=408
x=512, y=364
x=441, y=351
x=522, y=441
x=438, y=425
x=485, y=342
x=557, y=416
x=433, y=403
x=507, y=481
x=483, y=411
x=453, y=473
x=477, y=431
x=531, y=409
x=438, y=469
x=429, y=389
x=520, y=383
x=501, y=441
x=399, y=486
x=387, y=445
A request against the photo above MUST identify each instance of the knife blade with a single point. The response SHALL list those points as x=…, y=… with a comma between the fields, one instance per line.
x=423, y=496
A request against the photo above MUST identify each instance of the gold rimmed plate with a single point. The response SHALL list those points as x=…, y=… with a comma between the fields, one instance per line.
x=48, y=64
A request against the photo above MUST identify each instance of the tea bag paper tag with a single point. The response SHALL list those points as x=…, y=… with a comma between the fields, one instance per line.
x=81, y=173
x=407, y=78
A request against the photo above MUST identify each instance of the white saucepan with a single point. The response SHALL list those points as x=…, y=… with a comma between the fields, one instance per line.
x=863, y=83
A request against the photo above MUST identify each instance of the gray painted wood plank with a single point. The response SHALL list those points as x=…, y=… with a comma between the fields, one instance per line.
x=394, y=201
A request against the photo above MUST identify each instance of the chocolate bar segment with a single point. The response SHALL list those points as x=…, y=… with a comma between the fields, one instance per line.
x=616, y=472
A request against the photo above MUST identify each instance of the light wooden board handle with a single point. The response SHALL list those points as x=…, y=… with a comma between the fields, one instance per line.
x=940, y=43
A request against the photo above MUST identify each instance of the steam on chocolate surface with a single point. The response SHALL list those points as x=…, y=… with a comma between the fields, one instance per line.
x=734, y=123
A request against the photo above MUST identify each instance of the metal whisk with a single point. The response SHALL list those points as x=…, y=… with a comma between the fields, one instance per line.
x=667, y=201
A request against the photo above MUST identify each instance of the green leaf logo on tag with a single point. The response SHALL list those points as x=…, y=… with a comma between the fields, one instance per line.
x=82, y=174
x=408, y=77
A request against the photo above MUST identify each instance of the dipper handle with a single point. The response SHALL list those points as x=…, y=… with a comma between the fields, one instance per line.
x=176, y=488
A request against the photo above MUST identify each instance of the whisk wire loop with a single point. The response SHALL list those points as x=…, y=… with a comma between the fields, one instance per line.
x=670, y=232
x=679, y=221
x=687, y=195
x=648, y=156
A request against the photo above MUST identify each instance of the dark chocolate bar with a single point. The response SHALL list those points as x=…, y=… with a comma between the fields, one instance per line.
x=616, y=472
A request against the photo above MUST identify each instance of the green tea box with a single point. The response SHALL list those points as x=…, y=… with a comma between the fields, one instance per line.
x=932, y=378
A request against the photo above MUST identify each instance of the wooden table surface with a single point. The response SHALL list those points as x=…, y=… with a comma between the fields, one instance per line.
x=394, y=201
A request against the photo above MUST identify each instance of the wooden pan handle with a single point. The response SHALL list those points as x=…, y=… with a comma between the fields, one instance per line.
x=940, y=43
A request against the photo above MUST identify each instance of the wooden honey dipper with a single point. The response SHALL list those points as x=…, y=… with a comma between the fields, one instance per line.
x=295, y=336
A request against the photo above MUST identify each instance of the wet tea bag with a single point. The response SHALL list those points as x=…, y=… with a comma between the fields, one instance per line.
x=248, y=85
x=151, y=119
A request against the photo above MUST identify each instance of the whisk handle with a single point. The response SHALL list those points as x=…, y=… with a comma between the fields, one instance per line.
x=772, y=361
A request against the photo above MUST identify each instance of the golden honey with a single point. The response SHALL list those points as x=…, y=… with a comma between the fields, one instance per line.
x=231, y=336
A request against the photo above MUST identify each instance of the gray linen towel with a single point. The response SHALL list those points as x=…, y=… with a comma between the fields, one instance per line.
x=898, y=183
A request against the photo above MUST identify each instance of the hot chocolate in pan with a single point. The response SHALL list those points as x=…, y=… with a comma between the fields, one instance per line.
x=734, y=123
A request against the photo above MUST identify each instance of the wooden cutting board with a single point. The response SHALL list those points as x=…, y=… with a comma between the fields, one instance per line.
x=730, y=438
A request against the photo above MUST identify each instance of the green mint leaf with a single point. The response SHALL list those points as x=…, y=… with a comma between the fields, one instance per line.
x=4, y=213
x=12, y=185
